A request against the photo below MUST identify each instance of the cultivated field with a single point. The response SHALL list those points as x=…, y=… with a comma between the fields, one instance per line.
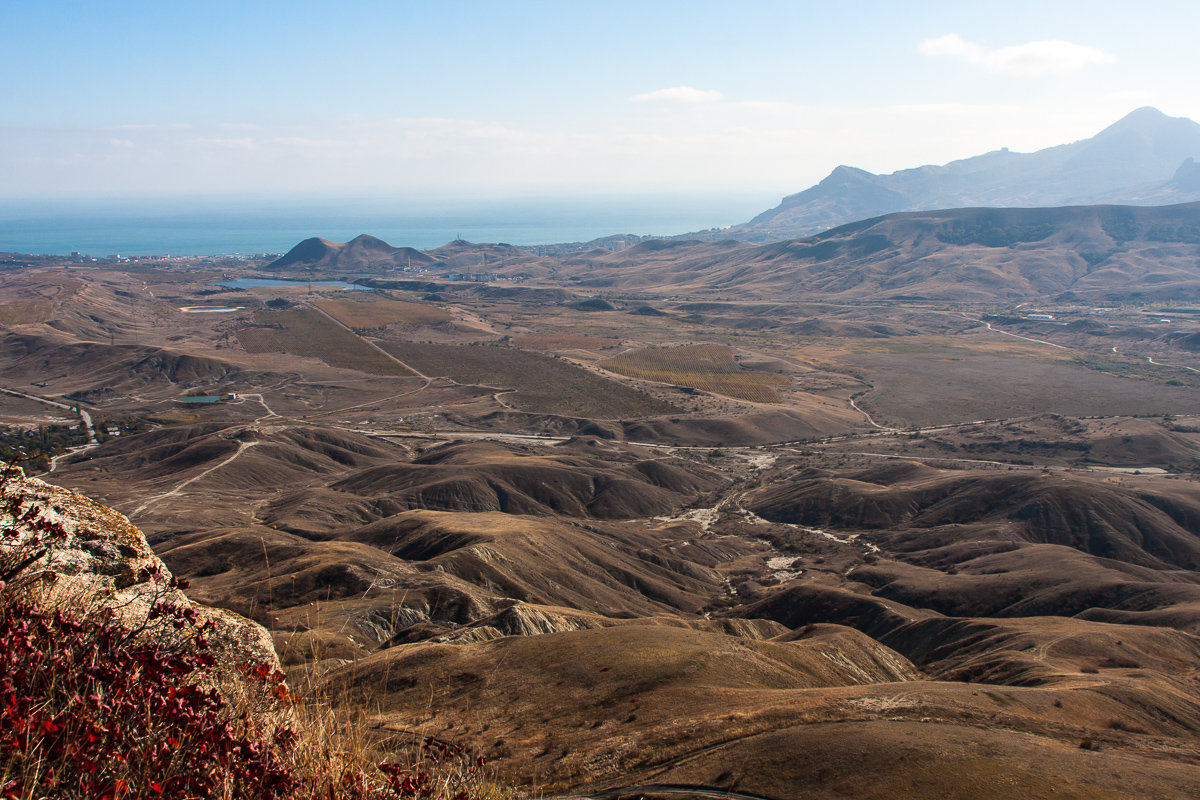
x=710, y=367
x=373, y=312
x=25, y=312
x=539, y=383
x=929, y=382
x=305, y=332
x=564, y=342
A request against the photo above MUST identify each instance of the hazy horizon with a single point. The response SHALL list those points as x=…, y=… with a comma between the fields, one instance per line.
x=198, y=226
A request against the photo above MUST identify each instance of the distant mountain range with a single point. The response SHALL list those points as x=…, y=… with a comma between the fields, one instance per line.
x=1087, y=253
x=1146, y=158
x=997, y=227
x=1093, y=253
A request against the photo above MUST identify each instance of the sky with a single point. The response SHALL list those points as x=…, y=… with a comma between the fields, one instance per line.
x=459, y=99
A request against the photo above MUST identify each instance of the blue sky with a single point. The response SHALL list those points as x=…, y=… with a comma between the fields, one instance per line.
x=523, y=98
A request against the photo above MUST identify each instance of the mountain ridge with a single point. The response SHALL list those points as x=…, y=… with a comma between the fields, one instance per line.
x=1136, y=160
x=1101, y=252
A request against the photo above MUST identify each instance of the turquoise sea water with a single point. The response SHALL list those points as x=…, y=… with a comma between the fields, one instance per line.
x=212, y=227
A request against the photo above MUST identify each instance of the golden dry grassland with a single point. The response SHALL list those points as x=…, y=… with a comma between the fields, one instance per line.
x=710, y=367
x=538, y=383
x=25, y=312
x=372, y=312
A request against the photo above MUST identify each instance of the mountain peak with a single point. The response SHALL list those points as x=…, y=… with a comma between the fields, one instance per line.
x=1143, y=114
x=843, y=175
x=367, y=240
x=1148, y=121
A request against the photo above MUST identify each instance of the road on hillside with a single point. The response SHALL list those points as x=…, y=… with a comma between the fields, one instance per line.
x=83, y=415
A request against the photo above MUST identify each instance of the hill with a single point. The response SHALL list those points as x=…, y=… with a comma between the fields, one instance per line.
x=363, y=253
x=1127, y=253
x=1146, y=158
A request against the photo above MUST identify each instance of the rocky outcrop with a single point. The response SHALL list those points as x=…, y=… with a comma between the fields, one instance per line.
x=71, y=550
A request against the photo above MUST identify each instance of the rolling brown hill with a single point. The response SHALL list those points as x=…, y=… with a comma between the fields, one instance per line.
x=263, y=460
x=772, y=599
x=992, y=544
x=492, y=477
x=925, y=646
x=1139, y=527
x=827, y=712
x=98, y=370
x=603, y=568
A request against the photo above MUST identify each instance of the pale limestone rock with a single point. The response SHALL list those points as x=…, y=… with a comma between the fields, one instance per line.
x=103, y=560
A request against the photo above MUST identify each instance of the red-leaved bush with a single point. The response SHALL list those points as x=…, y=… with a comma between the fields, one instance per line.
x=87, y=712
x=93, y=708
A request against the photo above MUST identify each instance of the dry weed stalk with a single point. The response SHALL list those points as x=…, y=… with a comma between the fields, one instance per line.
x=128, y=695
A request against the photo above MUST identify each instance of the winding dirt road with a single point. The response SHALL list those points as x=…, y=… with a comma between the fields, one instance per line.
x=242, y=447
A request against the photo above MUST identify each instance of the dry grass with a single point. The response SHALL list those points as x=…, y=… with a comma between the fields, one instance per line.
x=936, y=380
x=710, y=367
x=76, y=721
x=141, y=696
x=305, y=332
x=538, y=383
x=549, y=341
x=26, y=312
x=982, y=344
x=374, y=312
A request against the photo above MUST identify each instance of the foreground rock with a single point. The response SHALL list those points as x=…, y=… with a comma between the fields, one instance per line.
x=77, y=551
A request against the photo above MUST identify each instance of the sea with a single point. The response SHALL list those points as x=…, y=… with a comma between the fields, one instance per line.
x=178, y=226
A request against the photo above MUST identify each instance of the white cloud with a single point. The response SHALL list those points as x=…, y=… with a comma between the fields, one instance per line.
x=952, y=45
x=1033, y=59
x=678, y=94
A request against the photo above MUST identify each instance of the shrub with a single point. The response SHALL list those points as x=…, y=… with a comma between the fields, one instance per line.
x=1118, y=724
x=91, y=711
x=94, y=707
x=1119, y=662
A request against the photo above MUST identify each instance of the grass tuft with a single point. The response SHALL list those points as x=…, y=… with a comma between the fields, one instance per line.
x=92, y=706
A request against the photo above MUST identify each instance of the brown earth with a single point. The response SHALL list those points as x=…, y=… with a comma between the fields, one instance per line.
x=695, y=590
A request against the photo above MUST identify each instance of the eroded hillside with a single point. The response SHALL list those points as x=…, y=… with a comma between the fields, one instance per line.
x=890, y=549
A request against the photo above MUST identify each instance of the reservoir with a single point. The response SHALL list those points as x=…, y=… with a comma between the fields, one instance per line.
x=254, y=283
